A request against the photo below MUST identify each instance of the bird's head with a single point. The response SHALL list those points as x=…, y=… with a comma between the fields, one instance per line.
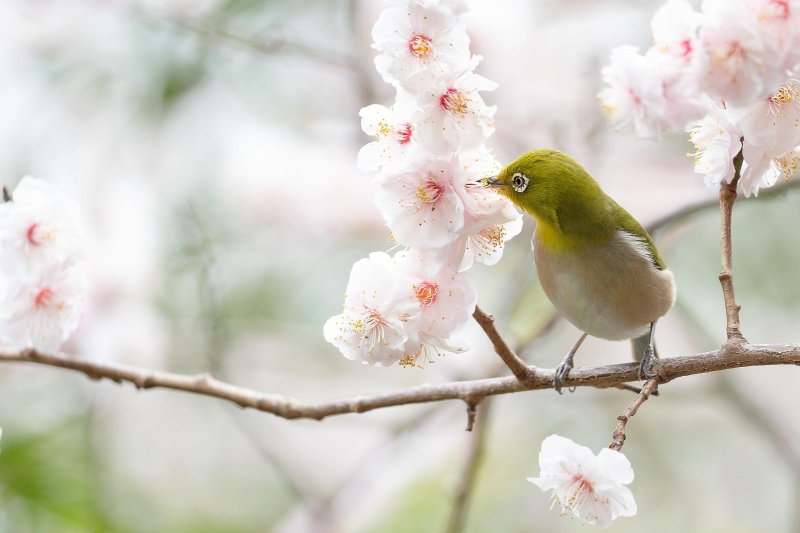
x=549, y=185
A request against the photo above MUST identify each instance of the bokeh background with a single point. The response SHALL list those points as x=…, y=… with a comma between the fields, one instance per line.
x=212, y=145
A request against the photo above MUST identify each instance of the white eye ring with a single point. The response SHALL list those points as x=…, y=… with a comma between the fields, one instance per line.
x=519, y=182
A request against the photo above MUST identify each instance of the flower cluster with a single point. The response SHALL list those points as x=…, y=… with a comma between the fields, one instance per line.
x=428, y=161
x=590, y=488
x=42, y=279
x=727, y=75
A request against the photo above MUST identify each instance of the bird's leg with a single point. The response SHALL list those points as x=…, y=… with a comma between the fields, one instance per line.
x=649, y=358
x=563, y=369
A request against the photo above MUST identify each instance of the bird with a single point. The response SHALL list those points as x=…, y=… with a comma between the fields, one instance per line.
x=595, y=262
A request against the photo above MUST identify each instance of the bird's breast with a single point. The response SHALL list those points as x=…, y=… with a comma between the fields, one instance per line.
x=612, y=290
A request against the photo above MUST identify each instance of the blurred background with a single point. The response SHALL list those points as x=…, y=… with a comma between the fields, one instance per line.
x=212, y=145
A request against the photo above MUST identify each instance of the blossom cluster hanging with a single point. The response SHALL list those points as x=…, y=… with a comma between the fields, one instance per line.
x=428, y=160
x=42, y=270
x=728, y=75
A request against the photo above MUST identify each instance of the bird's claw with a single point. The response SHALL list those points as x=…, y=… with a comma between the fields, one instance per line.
x=648, y=364
x=562, y=371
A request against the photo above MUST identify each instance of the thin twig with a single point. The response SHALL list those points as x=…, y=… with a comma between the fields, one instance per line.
x=618, y=438
x=469, y=474
x=685, y=212
x=727, y=196
x=727, y=357
x=517, y=366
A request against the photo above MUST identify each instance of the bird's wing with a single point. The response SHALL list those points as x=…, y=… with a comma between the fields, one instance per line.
x=631, y=226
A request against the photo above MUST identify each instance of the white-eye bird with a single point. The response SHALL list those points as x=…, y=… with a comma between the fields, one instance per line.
x=595, y=262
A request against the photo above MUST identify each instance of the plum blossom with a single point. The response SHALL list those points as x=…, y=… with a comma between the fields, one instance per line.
x=453, y=115
x=419, y=43
x=429, y=173
x=421, y=206
x=717, y=140
x=39, y=225
x=633, y=100
x=41, y=308
x=736, y=62
x=589, y=487
x=490, y=220
x=395, y=144
x=778, y=24
x=380, y=314
x=674, y=28
x=42, y=280
x=446, y=297
x=772, y=124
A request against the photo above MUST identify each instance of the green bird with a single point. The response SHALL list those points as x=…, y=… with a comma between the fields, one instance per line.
x=595, y=262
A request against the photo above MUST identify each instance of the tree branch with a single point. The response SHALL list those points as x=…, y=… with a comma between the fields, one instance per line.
x=727, y=357
x=518, y=367
x=727, y=196
x=469, y=474
x=618, y=438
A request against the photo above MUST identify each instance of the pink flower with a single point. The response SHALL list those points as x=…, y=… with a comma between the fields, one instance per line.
x=39, y=225
x=395, y=146
x=446, y=298
x=421, y=206
x=717, y=140
x=633, y=100
x=380, y=314
x=419, y=44
x=737, y=63
x=41, y=309
x=587, y=486
x=453, y=115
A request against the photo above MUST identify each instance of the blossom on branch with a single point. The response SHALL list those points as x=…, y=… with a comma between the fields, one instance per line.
x=446, y=298
x=379, y=312
x=396, y=145
x=589, y=487
x=42, y=279
x=40, y=224
x=453, y=114
x=419, y=44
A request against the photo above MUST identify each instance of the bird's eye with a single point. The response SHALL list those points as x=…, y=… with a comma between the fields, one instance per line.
x=519, y=182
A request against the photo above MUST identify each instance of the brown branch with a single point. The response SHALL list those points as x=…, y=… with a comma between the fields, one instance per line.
x=518, y=367
x=618, y=438
x=469, y=474
x=727, y=196
x=690, y=210
x=727, y=357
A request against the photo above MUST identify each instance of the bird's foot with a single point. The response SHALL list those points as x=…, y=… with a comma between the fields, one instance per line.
x=562, y=371
x=648, y=364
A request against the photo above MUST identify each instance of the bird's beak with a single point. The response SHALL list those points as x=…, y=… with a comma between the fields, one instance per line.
x=493, y=182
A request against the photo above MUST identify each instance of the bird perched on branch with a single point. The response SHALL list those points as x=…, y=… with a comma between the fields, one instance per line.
x=595, y=262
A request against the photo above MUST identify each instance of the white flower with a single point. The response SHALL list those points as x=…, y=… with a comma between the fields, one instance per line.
x=395, y=143
x=457, y=7
x=717, y=140
x=41, y=308
x=419, y=44
x=778, y=23
x=490, y=220
x=446, y=298
x=590, y=488
x=760, y=169
x=674, y=28
x=39, y=225
x=737, y=63
x=633, y=101
x=453, y=115
x=421, y=206
x=380, y=314
x=773, y=124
